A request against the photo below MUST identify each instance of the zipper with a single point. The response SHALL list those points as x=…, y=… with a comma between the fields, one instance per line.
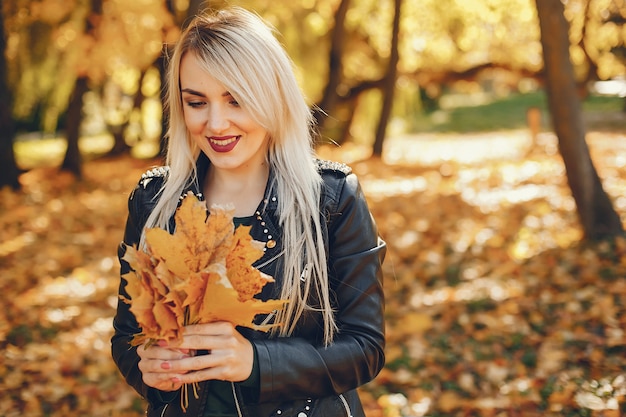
x=270, y=260
x=306, y=272
x=239, y=413
x=345, y=405
x=268, y=318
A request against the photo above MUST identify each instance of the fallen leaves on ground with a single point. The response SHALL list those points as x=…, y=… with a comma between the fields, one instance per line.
x=493, y=307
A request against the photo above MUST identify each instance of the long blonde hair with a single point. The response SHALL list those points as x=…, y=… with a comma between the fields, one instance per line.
x=240, y=51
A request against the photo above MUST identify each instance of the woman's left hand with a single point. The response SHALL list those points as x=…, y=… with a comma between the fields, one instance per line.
x=230, y=356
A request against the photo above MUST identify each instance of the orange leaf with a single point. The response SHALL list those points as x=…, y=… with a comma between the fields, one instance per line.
x=196, y=243
x=246, y=279
x=150, y=300
x=201, y=273
x=222, y=303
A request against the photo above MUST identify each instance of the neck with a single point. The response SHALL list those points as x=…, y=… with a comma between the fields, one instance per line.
x=244, y=190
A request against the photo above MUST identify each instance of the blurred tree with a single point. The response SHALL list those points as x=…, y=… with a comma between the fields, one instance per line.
x=356, y=65
x=340, y=46
x=330, y=94
x=617, y=16
x=131, y=42
x=73, y=160
x=389, y=85
x=598, y=38
x=451, y=40
x=53, y=43
x=595, y=211
x=9, y=172
x=182, y=16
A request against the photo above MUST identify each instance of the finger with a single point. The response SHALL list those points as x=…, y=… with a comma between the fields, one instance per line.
x=196, y=343
x=224, y=371
x=156, y=352
x=224, y=365
x=216, y=373
x=193, y=363
x=217, y=328
x=162, y=366
x=163, y=382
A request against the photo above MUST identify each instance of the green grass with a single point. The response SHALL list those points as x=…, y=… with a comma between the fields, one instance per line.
x=510, y=113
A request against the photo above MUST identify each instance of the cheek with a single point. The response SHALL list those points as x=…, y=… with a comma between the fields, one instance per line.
x=193, y=121
x=251, y=127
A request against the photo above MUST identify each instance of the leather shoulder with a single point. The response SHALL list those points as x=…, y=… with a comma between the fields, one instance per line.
x=158, y=172
x=332, y=166
x=150, y=182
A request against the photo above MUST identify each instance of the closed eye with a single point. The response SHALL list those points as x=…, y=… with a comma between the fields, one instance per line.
x=195, y=103
x=192, y=98
x=231, y=100
x=195, y=99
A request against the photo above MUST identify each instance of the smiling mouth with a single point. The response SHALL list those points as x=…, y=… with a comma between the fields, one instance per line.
x=223, y=141
x=223, y=144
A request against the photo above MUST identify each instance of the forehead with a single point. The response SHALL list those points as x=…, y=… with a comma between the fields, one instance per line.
x=194, y=75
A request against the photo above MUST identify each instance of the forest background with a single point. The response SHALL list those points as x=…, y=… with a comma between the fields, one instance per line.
x=489, y=138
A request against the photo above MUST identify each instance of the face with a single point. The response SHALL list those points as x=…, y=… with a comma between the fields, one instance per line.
x=221, y=128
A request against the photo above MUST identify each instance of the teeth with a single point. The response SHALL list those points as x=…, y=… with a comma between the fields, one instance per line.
x=223, y=142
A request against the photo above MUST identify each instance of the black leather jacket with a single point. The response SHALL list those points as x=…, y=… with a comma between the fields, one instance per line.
x=297, y=374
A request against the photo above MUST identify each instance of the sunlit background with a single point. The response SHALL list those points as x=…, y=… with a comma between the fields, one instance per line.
x=494, y=308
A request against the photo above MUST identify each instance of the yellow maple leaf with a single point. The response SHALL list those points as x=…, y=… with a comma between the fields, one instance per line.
x=246, y=279
x=201, y=273
x=222, y=303
x=148, y=299
x=196, y=242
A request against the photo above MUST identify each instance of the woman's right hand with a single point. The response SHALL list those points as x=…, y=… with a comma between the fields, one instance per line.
x=154, y=364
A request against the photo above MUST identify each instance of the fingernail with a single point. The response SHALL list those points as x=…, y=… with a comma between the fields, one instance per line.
x=176, y=380
x=165, y=365
x=162, y=343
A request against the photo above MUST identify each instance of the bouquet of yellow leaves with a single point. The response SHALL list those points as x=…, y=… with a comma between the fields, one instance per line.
x=199, y=274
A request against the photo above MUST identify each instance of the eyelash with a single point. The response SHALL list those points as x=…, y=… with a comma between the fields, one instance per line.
x=196, y=104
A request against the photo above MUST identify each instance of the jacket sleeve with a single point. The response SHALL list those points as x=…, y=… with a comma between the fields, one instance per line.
x=124, y=324
x=294, y=367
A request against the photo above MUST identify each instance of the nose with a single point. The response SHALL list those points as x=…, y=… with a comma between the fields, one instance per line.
x=217, y=119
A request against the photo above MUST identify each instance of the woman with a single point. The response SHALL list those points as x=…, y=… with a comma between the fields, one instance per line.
x=240, y=133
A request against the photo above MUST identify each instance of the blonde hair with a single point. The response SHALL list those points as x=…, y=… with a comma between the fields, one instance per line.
x=240, y=51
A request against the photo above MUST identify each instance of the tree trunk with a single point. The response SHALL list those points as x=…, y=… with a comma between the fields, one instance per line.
x=73, y=159
x=120, y=146
x=335, y=65
x=389, y=86
x=595, y=211
x=9, y=172
x=344, y=135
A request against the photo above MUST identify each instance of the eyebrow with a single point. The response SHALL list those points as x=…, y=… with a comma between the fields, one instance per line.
x=199, y=94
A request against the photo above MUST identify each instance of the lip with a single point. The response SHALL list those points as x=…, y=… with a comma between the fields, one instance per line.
x=223, y=143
